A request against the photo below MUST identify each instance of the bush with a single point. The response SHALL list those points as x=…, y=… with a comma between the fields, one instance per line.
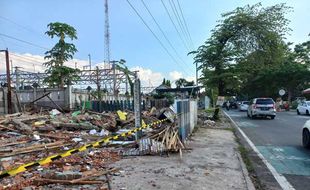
x=294, y=104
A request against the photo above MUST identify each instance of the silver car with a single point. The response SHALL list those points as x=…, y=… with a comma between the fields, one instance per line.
x=244, y=105
x=262, y=107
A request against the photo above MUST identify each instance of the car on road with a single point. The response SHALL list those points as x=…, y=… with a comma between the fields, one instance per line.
x=244, y=105
x=306, y=135
x=303, y=108
x=262, y=107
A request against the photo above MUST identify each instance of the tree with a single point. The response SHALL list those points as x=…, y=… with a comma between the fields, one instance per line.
x=183, y=82
x=122, y=67
x=292, y=74
x=166, y=82
x=302, y=52
x=59, y=75
x=247, y=33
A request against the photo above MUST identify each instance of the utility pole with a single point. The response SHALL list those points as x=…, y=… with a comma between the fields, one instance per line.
x=196, y=74
x=17, y=77
x=89, y=61
x=114, y=76
x=11, y=66
x=8, y=80
x=98, y=87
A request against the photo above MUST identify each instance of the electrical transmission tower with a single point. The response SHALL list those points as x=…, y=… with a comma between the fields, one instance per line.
x=106, y=34
x=107, y=45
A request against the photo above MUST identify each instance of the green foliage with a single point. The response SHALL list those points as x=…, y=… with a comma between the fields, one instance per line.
x=97, y=94
x=294, y=104
x=302, y=52
x=246, y=40
x=59, y=75
x=166, y=82
x=183, y=82
x=122, y=67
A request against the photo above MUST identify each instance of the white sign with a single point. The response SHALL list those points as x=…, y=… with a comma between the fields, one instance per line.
x=281, y=92
x=220, y=100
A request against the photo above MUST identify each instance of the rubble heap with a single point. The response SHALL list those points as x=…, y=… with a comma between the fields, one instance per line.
x=26, y=137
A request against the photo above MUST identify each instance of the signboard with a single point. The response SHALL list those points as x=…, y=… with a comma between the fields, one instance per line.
x=220, y=100
x=281, y=92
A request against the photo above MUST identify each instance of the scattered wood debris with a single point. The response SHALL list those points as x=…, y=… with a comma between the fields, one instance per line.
x=26, y=137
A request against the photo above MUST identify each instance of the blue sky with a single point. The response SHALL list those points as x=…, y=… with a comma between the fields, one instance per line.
x=130, y=39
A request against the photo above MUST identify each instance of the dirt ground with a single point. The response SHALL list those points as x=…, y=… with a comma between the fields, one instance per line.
x=213, y=163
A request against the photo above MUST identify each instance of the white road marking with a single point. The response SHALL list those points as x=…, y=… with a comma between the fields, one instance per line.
x=285, y=185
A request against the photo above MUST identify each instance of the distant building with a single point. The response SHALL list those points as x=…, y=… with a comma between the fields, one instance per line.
x=160, y=87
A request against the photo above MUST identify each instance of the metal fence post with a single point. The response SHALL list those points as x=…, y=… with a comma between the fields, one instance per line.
x=137, y=106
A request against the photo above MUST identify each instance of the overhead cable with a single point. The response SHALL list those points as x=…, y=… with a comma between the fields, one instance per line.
x=163, y=33
x=175, y=27
x=155, y=36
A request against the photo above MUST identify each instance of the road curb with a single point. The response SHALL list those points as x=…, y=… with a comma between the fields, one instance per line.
x=247, y=179
x=280, y=179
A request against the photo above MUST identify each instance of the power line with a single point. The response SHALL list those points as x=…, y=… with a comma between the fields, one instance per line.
x=28, y=57
x=176, y=14
x=175, y=27
x=185, y=23
x=21, y=26
x=21, y=58
x=4, y=43
x=163, y=33
x=29, y=43
x=160, y=42
x=32, y=59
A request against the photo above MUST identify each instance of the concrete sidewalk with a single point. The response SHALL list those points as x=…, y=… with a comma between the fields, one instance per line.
x=213, y=163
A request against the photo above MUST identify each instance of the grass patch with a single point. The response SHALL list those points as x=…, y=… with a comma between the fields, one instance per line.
x=209, y=110
x=230, y=129
x=245, y=157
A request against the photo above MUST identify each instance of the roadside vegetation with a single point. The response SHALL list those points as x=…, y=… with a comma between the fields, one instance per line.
x=247, y=55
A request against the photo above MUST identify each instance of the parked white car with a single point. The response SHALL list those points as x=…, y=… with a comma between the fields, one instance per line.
x=303, y=108
x=306, y=135
x=244, y=105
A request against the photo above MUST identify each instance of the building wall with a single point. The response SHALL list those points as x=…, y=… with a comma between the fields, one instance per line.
x=56, y=94
x=67, y=98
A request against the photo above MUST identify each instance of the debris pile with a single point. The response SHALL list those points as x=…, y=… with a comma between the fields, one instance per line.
x=28, y=137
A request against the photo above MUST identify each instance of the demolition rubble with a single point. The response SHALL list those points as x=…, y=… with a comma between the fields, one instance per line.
x=35, y=135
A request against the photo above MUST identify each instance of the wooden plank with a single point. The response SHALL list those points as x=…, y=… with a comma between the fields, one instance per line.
x=99, y=173
x=68, y=182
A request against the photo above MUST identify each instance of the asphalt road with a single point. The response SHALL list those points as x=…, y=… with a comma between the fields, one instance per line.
x=279, y=141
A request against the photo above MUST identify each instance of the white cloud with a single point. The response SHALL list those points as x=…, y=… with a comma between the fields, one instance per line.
x=175, y=75
x=148, y=77
x=190, y=78
x=34, y=63
x=29, y=62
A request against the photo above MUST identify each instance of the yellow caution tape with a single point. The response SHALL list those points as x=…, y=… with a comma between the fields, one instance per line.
x=67, y=153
